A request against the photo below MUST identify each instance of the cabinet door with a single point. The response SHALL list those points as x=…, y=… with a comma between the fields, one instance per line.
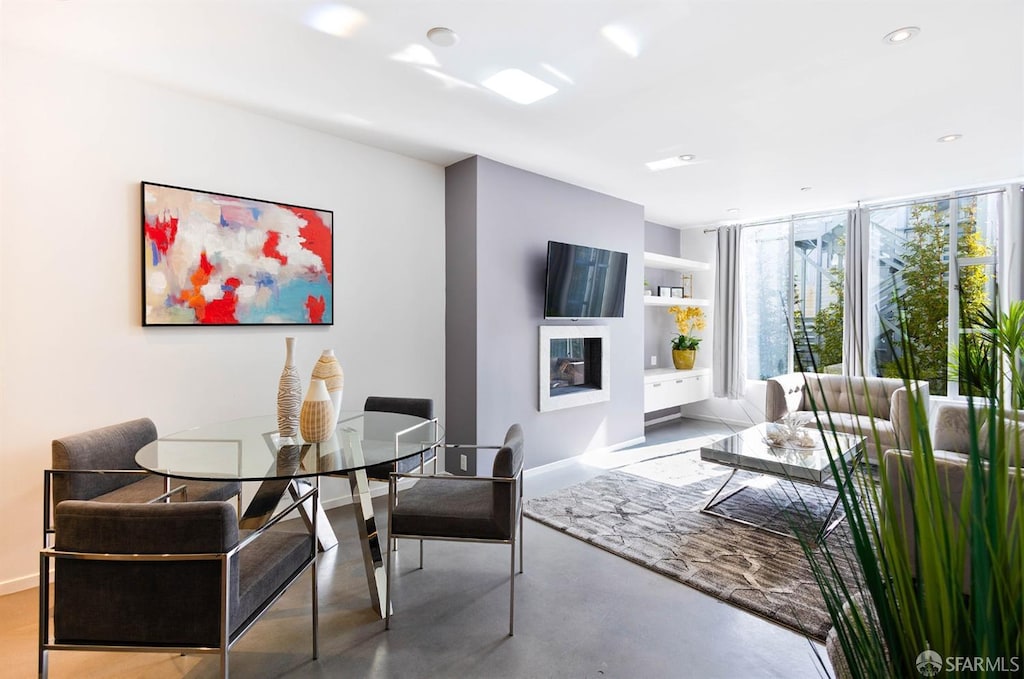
x=676, y=391
x=690, y=389
x=658, y=395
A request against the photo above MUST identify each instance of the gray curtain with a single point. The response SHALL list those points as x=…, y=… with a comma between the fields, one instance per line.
x=729, y=371
x=857, y=356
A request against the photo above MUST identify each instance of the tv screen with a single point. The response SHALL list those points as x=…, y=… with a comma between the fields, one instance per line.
x=584, y=282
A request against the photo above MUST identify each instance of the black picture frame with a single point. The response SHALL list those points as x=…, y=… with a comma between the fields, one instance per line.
x=218, y=259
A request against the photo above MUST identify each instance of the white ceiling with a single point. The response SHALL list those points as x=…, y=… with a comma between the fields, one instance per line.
x=770, y=95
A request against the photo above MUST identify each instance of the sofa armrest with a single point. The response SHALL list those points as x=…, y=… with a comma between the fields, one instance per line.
x=784, y=395
x=903, y=421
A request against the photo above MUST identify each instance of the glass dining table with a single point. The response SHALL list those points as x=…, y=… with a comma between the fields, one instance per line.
x=250, y=449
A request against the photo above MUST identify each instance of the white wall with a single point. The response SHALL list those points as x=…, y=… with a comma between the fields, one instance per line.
x=73, y=354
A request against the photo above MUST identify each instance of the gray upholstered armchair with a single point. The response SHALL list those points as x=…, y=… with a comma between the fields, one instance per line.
x=864, y=406
x=100, y=465
x=464, y=508
x=165, y=577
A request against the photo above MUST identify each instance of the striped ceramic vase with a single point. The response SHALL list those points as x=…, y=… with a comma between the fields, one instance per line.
x=289, y=393
x=316, y=420
x=329, y=370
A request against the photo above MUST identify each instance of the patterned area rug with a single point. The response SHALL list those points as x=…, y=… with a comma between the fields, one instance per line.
x=649, y=513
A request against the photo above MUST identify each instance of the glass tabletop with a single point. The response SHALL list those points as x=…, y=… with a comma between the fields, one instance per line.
x=751, y=450
x=250, y=449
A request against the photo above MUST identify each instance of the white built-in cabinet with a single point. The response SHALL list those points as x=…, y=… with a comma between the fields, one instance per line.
x=668, y=387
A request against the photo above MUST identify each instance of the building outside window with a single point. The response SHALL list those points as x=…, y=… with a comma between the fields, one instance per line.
x=794, y=295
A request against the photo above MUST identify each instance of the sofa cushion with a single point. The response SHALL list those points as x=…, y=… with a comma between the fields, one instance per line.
x=858, y=425
x=858, y=395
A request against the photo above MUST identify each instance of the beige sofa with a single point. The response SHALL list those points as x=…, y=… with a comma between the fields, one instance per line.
x=876, y=408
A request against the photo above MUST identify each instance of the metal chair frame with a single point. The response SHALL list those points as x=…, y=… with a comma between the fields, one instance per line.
x=515, y=509
x=227, y=638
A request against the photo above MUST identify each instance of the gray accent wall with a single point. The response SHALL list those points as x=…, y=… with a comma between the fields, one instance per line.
x=516, y=214
x=460, y=302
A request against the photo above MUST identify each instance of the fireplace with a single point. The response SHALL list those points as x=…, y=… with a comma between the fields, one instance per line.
x=574, y=366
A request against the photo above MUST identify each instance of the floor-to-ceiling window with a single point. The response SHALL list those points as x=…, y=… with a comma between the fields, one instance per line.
x=794, y=294
x=931, y=260
x=933, y=274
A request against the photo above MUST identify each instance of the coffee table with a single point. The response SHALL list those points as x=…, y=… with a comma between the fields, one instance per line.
x=750, y=451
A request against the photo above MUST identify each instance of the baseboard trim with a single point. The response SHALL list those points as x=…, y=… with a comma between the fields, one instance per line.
x=377, y=489
x=663, y=418
x=21, y=584
x=568, y=461
x=721, y=420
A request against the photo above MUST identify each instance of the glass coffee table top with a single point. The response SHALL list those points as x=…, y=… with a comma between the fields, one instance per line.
x=751, y=451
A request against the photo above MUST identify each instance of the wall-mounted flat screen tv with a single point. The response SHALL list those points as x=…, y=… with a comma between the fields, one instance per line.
x=584, y=282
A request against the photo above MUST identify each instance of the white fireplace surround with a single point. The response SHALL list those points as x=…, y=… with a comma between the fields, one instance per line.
x=583, y=396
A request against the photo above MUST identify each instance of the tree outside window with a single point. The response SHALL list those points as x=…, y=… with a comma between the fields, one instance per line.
x=912, y=248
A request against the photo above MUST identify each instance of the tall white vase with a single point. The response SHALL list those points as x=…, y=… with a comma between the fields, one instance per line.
x=289, y=393
x=329, y=370
x=316, y=420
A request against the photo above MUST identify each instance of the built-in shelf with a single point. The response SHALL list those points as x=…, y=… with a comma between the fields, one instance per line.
x=659, y=374
x=653, y=259
x=655, y=300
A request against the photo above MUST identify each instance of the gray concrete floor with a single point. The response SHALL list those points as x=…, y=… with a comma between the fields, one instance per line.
x=580, y=612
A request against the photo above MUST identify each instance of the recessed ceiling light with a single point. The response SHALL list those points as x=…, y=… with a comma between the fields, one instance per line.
x=337, y=20
x=901, y=35
x=733, y=210
x=442, y=37
x=519, y=86
x=948, y=138
x=670, y=162
x=622, y=38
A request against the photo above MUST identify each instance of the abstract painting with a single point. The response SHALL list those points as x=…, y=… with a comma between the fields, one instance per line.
x=215, y=259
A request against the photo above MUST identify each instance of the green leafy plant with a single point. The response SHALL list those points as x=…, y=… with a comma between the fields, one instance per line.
x=932, y=573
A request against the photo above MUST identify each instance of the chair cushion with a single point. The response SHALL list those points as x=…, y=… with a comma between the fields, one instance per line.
x=152, y=486
x=264, y=566
x=448, y=507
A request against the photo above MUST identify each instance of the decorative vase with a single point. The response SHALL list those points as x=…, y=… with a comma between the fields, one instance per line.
x=683, y=359
x=329, y=370
x=289, y=393
x=316, y=419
